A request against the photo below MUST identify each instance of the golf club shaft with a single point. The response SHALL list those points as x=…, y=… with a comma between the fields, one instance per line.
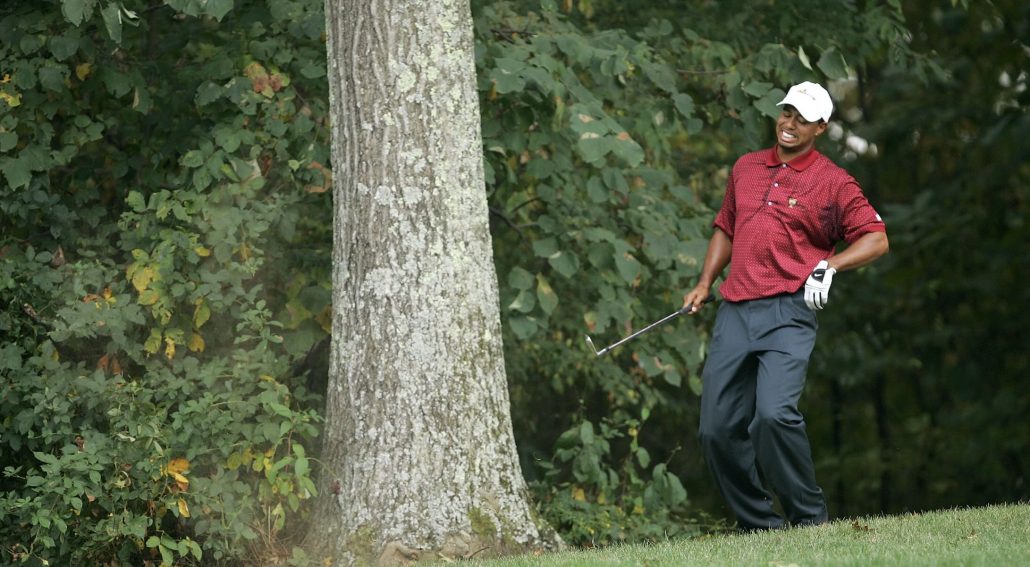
x=666, y=319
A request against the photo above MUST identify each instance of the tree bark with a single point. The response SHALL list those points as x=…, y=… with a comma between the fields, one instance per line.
x=419, y=456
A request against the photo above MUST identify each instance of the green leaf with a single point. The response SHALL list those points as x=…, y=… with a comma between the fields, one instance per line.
x=141, y=101
x=217, y=9
x=301, y=467
x=757, y=89
x=767, y=104
x=628, y=266
x=228, y=139
x=192, y=159
x=804, y=58
x=643, y=457
x=596, y=190
x=524, y=302
x=564, y=263
x=207, y=93
x=136, y=201
x=593, y=147
x=52, y=78
x=628, y=149
x=117, y=84
x=506, y=76
x=30, y=43
x=694, y=125
x=280, y=409
x=8, y=140
x=675, y=494
x=545, y=248
x=77, y=11
x=684, y=104
x=694, y=382
x=586, y=433
x=523, y=327
x=545, y=294
x=112, y=15
x=519, y=278
x=833, y=64
x=17, y=172
x=673, y=377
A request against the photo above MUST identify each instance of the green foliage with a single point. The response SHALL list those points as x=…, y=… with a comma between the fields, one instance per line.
x=925, y=354
x=592, y=502
x=606, y=156
x=163, y=171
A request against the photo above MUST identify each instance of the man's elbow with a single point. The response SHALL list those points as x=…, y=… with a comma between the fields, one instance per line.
x=882, y=244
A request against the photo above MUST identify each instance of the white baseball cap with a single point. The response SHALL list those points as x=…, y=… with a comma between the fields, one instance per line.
x=811, y=100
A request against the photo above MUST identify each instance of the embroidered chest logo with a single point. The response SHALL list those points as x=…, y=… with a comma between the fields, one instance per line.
x=792, y=202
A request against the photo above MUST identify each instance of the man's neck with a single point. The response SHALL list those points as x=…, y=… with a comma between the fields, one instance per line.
x=787, y=156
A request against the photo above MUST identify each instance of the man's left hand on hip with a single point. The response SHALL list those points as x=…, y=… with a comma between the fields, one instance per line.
x=817, y=288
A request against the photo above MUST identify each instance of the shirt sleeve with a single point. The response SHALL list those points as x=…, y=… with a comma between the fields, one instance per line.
x=857, y=216
x=727, y=215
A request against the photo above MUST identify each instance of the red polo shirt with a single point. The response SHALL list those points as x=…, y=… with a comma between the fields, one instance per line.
x=783, y=218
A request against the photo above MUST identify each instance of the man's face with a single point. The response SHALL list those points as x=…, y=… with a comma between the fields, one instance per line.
x=794, y=134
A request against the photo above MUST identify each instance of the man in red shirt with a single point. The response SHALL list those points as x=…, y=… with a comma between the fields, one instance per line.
x=784, y=212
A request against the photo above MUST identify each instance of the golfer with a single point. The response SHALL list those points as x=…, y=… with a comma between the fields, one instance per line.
x=785, y=210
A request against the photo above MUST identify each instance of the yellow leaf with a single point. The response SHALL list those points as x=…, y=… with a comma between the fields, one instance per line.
x=579, y=494
x=179, y=478
x=179, y=465
x=202, y=251
x=11, y=100
x=197, y=343
x=141, y=277
x=82, y=70
x=169, y=348
x=184, y=510
x=148, y=297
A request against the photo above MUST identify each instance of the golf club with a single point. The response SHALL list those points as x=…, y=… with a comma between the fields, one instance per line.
x=666, y=319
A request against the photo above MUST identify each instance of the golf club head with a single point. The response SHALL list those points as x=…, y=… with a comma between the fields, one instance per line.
x=593, y=348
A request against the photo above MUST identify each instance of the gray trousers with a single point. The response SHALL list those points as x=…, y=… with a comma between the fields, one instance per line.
x=750, y=423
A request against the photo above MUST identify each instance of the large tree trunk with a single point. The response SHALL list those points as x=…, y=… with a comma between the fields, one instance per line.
x=419, y=453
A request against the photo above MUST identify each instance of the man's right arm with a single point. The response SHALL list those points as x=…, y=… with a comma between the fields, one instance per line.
x=716, y=259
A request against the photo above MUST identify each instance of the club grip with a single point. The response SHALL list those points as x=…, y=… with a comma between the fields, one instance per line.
x=686, y=308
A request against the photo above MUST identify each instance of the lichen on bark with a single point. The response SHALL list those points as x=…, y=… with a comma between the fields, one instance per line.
x=420, y=460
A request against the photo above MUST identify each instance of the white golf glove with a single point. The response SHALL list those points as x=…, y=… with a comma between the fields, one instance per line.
x=817, y=288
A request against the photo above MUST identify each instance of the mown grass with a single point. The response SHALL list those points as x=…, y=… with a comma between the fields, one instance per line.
x=990, y=536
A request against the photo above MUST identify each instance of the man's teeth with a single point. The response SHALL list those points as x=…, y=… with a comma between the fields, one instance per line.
x=788, y=137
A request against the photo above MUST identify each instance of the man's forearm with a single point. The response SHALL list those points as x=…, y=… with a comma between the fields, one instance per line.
x=718, y=255
x=861, y=252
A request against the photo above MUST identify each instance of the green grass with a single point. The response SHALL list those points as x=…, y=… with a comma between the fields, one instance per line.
x=992, y=536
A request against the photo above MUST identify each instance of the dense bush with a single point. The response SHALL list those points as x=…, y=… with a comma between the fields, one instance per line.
x=163, y=179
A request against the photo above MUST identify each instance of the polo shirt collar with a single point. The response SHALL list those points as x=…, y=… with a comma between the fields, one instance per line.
x=799, y=163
